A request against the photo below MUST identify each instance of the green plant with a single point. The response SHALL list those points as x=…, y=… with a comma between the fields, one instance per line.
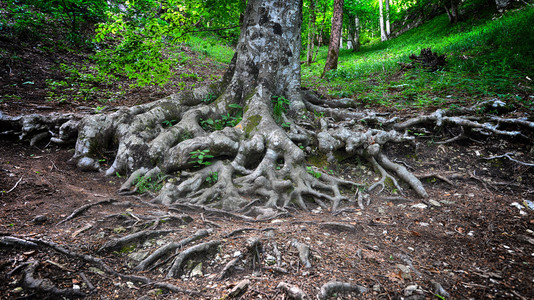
x=98, y=109
x=199, y=157
x=168, y=123
x=209, y=98
x=314, y=173
x=144, y=184
x=212, y=178
x=280, y=105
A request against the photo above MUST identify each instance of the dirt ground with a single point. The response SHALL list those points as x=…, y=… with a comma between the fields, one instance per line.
x=474, y=235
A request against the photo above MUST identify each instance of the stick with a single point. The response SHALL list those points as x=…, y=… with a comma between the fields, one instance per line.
x=14, y=186
x=79, y=210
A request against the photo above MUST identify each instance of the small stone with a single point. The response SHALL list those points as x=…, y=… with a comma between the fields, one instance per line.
x=270, y=260
x=413, y=289
x=277, y=221
x=119, y=229
x=197, y=271
x=138, y=256
x=434, y=203
x=100, y=235
x=377, y=288
x=420, y=206
x=423, y=224
x=18, y=290
x=96, y=270
x=439, y=290
x=40, y=219
x=130, y=285
x=76, y=287
x=237, y=253
x=446, y=202
x=154, y=292
x=405, y=272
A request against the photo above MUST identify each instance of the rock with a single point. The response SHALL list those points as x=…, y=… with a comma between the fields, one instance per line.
x=76, y=287
x=434, y=203
x=197, y=270
x=40, y=219
x=239, y=289
x=420, y=206
x=96, y=271
x=138, y=256
x=413, y=289
x=439, y=290
x=119, y=229
x=405, y=272
x=154, y=292
x=130, y=285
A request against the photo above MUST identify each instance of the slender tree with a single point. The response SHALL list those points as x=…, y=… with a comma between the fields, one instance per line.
x=383, y=36
x=335, y=37
x=388, y=27
x=311, y=33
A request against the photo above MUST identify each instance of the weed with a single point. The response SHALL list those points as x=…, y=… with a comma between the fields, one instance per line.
x=209, y=98
x=168, y=123
x=145, y=184
x=199, y=157
x=212, y=178
x=313, y=172
x=280, y=106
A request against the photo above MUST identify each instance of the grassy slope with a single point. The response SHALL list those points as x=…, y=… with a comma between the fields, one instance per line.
x=488, y=58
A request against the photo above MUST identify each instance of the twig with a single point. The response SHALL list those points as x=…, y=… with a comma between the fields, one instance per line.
x=84, y=208
x=507, y=155
x=14, y=186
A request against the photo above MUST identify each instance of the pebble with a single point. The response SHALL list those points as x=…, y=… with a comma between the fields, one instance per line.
x=413, y=289
x=419, y=205
x=434, y=203
x=40, y=219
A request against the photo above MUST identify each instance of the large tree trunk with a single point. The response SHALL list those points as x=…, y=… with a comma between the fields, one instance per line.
x=335, y=37
x=268, y=128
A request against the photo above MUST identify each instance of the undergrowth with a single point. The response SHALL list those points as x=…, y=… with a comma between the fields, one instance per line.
x=485, y=58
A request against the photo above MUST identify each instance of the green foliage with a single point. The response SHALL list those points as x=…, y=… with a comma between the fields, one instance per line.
x=280, y=106
x=199, y=157
x=29, y=20
x=314, y=173
x=145, y=184
x=212, y=178
x=227, y=120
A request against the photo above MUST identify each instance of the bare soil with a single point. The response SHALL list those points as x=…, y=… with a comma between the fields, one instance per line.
x=476, y=244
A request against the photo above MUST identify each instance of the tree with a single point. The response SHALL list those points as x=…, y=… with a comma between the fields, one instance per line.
x=335, y=36
x=388, y=29
x=383, y=36
x=250, y=139
x=311, y=33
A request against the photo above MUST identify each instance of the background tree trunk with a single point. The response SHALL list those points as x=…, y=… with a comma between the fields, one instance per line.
x=311, y=33
x=388, y=29
x=335, y=36
x=383, y=36
x=356, y=35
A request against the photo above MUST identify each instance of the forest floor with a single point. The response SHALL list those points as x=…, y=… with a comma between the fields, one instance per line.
x=474, y=235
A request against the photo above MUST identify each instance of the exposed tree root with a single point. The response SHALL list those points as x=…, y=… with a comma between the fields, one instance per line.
x=339, y=287
x=124, y=241
x=143, y=265
x=304, y=253
x=252, y=251
x=292, y=291
x=81, y=209
x=35, y=243
x=507, y=155
x=46, y=286
x=204, y=248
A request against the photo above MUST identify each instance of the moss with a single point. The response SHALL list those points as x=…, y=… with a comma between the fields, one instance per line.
x=252, y=123
x=127, y=249
x=342, y=155
x=319, y=160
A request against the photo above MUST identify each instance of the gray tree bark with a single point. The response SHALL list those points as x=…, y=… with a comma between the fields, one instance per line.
x=383, y=36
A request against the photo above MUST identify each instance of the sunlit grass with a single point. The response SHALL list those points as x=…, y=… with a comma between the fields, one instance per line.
x=491, y=58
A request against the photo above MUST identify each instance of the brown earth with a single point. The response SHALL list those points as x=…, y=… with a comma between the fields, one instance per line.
x=471, y=238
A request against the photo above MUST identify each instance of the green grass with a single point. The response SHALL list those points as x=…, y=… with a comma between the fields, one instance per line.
x=211, y=47
x=486, y=58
